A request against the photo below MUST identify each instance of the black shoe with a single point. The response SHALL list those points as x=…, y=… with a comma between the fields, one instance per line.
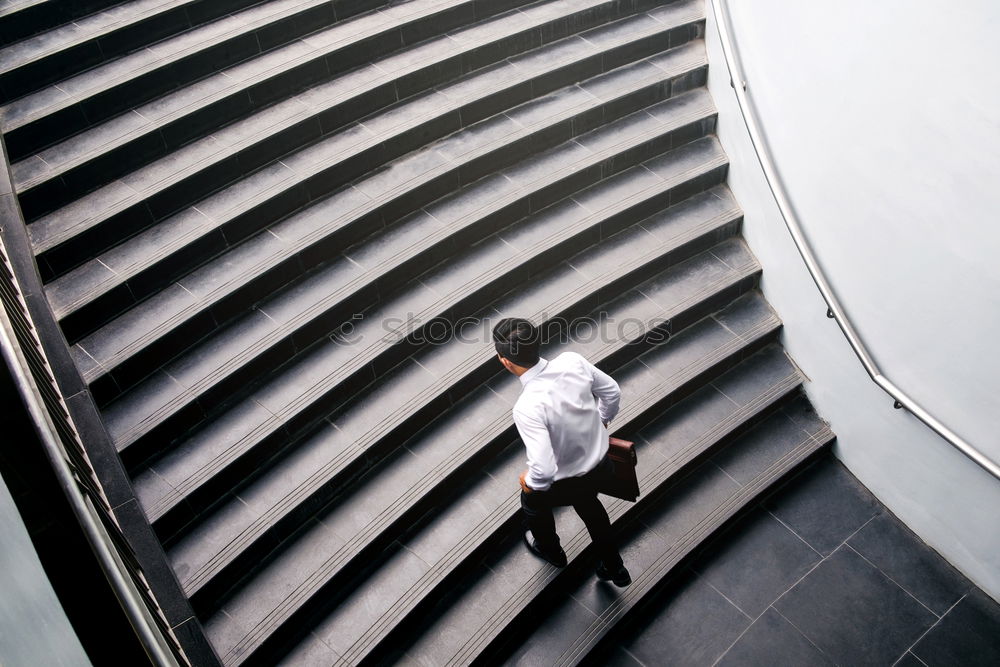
x=557, y=558
x=620, y=577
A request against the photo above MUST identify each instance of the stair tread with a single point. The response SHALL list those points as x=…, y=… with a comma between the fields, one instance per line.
x=121, y=415
x=114, y=73
x=658, y=369
x=708, y=213
x=93, y=209
x=770, y=449
x=397, y=396
x=510, y=577
x=167, y=108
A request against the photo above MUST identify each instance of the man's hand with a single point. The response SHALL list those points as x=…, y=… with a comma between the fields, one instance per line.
x=524, y=485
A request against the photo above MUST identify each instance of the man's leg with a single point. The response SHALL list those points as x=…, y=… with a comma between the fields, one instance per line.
x=595, y=517
x=538, y=519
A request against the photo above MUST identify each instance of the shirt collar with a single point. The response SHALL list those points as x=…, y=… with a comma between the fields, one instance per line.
x=530, y=374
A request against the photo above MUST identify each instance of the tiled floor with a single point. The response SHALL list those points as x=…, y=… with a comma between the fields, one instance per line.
x=818, y=573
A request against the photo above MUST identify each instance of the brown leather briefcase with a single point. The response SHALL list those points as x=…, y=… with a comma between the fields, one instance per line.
x=623, y=483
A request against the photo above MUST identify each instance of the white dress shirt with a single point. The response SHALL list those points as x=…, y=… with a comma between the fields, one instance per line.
x=559, y=415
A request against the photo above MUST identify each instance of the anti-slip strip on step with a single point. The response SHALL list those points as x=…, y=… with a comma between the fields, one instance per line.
x=664, y=475
x=669, y=383
x=649, y=481
x=83, y=99
x=699, y=298
x=655, y=253
x=73, y=292
x=646, y=581
x=155, y=128
x=546, y=181
x=73, y=47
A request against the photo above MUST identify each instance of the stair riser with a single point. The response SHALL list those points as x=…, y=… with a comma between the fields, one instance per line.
x=49, y=196
x=45, y=16
x=241, y=473
x=52, y=128
x=320, y=499
x=182, y=335
x=318, y=604
x=73, y=60
x=227, y=389
x=88, y=318
x=390, y=648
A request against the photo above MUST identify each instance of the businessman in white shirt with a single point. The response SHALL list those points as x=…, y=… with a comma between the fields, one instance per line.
x=562, y=415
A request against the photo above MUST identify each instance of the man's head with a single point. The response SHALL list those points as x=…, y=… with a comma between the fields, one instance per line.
x=517, y=342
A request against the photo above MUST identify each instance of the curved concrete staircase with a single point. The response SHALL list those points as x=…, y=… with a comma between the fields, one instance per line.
x=275, y=236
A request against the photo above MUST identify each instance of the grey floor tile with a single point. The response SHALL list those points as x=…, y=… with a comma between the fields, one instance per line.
x=824, y=505
x=905, y=559
x=755, y=562
x=772, y=640
x=968, y=635
x=853, y=612
x=693, y=628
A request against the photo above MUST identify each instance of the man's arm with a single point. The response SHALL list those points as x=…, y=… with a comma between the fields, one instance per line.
x=607, y=392
x=541, y=461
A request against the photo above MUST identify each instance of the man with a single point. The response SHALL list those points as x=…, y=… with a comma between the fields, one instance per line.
x=562, y=415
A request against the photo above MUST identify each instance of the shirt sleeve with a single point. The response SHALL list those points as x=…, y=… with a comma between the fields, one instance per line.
x=541, y=460
x=607, y=392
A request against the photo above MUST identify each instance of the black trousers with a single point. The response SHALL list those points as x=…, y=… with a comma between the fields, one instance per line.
x=581, y=493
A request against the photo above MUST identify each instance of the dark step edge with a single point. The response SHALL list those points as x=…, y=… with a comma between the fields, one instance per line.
x=270, y=440
x=97, y=308
x=385, y=638
x=211, y=583
x=514, y=208
x=105, y=44
x=328, y=63
x=258, y=642
x=666, y=255
x=809, y=446
x=124, y=220
x=34, y=18
x=178, y=70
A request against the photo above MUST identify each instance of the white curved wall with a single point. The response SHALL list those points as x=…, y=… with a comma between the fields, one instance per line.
x=884, y=120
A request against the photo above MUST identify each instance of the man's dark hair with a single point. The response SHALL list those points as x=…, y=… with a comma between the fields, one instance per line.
x=517, y=339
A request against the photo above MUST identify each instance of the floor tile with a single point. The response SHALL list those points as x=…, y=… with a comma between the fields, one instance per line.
x=853, y=613
x=905, y=559
x=824, y=505
x=756, y=562
x=772, y=640
x=968, y=635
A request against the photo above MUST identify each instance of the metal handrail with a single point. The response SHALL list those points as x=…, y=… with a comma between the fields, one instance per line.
x=834, y=309
x=155, y=644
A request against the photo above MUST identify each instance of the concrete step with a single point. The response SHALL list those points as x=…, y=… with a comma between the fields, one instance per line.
x=102, y=287
x=410, y=399
x=317, y=307
x=281, y=53
x=511, y=602
x=303, y=570
x=72, y=47
x=582, y=613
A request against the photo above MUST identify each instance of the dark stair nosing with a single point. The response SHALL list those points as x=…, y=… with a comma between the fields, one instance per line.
x=237, y=547
x=227, y=103
x=719, y=359
x=97, y=293
x=549, y=179
x=19, y=21
x=673, y=250
x=381, y=634
x=38, y=125
x=642, y=584
x=59, y=246
x=33, y=65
